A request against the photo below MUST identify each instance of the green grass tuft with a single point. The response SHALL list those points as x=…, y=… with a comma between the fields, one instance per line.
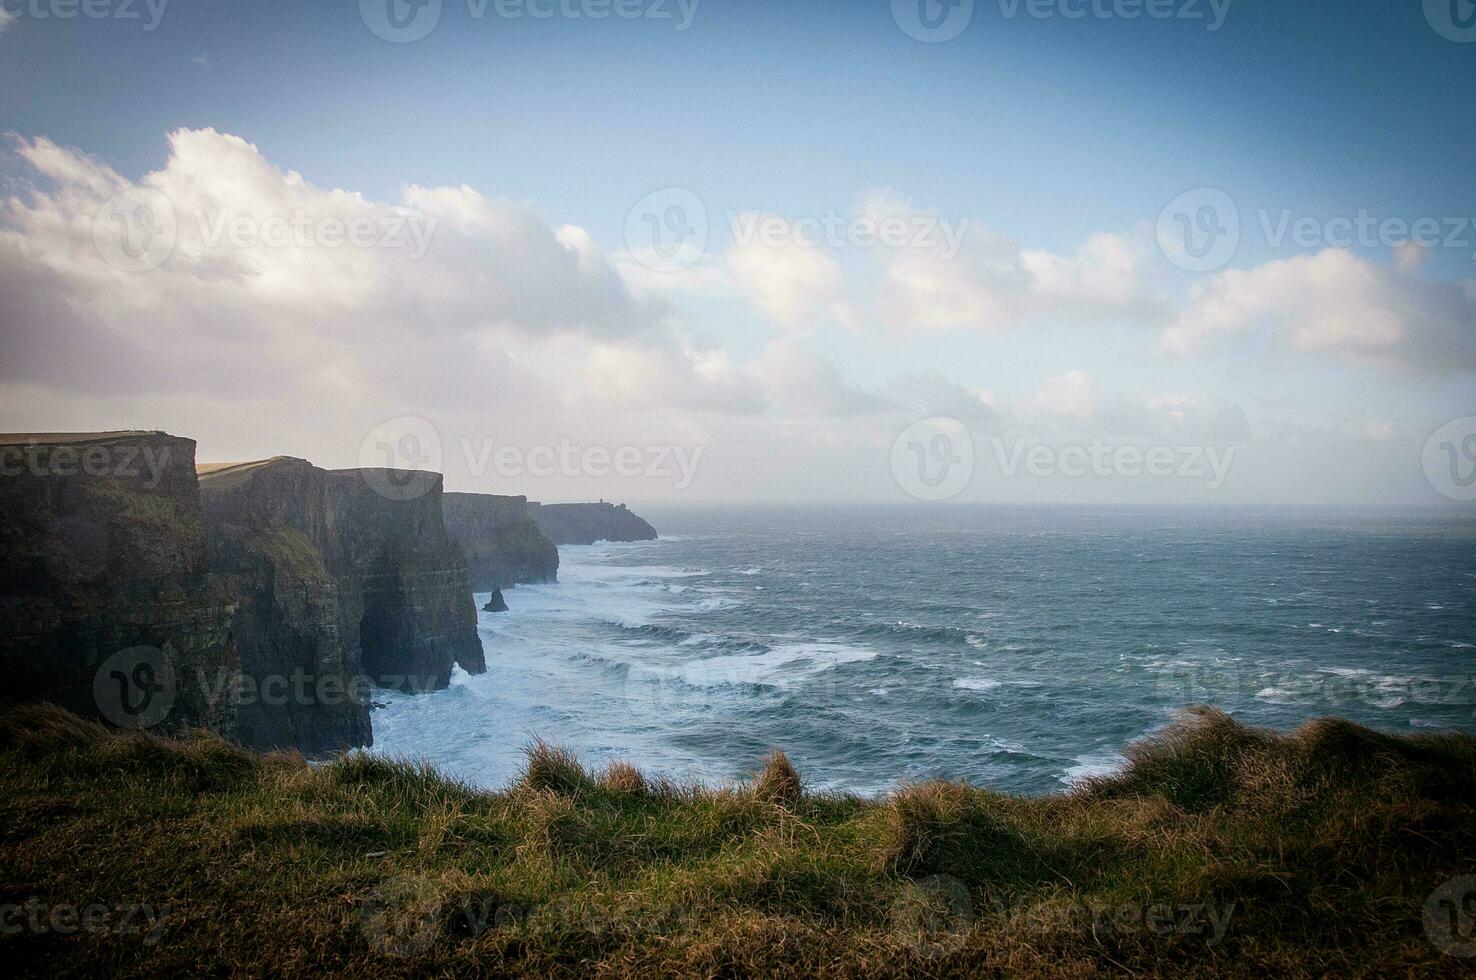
x=778, y=782
x=1219, y=850
x=554, y=768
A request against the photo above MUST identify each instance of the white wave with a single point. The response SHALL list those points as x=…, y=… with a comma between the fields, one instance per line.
x=977, y=684
x=778, y=667
x=1091, y=765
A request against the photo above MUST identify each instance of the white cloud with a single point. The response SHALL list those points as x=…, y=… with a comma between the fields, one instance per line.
x=994, y=284
x=1067, y=396
x=930, y=393
x=792, y=282
x=239, y=313
x=6, y=19
x=510, y=329
x=1338, y=303
x=784, y=379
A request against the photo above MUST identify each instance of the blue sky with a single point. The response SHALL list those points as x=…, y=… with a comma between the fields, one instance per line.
x=1042, y=132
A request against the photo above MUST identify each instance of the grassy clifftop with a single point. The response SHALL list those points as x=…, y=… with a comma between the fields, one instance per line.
x=1219, y=850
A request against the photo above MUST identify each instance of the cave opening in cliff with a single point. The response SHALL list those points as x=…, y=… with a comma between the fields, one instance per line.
x=385, y=633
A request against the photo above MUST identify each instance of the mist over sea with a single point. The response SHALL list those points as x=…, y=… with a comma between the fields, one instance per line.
x=1018, y=647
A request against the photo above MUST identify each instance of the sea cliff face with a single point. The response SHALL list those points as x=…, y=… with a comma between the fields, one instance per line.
x=267, y=524
x=502, y=543
x=406, y=582
x=339, y=586
x=260, y=600
x=588, y=523
x=107, y=604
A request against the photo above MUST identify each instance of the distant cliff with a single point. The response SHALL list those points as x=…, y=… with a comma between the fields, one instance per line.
x=502, y=543
x=107, y=604
x=335, y=582
x=588, y=523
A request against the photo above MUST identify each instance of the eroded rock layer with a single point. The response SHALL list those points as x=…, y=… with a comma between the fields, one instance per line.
x=107, y=604
x=502, y=543
x=345, y=580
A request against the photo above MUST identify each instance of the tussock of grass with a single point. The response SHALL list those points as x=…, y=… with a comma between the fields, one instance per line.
x=1312, y=852
x=624, y=779
x=555, y=769
x=778, y=782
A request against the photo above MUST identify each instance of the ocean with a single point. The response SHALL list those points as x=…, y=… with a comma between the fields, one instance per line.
x=1020, y=648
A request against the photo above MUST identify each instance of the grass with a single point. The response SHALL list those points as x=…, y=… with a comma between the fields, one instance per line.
x=1219, y=850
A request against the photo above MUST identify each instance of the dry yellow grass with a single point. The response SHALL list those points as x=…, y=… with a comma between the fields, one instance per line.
x=1220, y=851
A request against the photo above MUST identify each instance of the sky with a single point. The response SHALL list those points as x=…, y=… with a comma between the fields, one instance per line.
x=1064, y=251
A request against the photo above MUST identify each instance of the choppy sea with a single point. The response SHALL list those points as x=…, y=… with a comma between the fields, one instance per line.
x=1018, y=647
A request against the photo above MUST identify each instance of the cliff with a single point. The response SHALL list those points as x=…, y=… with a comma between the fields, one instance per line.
x=502, y=543
x=267, y=524
x=338, y=587
x=588, y=523
x=406, y=583
x=107, y=605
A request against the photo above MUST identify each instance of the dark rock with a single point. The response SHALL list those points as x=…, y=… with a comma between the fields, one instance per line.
x=495, y=602
x=588, y=523
x=407, y=584
x=502, y=544
x=342, y=576
x=107, y=604
x=267, y=524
